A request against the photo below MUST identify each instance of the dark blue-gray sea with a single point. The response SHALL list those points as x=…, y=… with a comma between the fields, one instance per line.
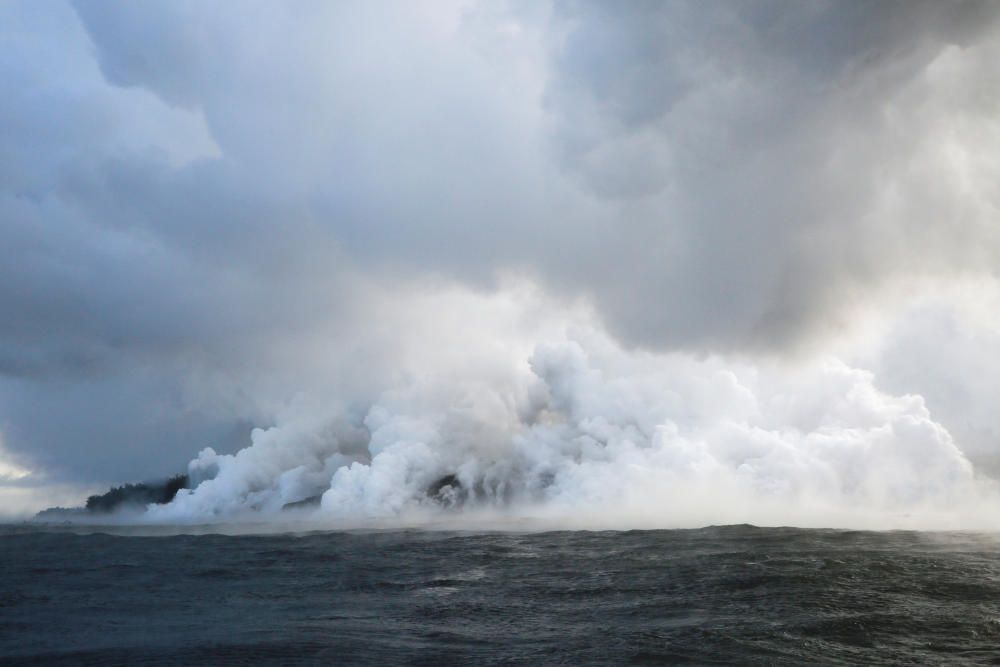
x=740, y=594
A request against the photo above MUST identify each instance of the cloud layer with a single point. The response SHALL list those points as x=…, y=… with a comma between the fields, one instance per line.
x=211, y=217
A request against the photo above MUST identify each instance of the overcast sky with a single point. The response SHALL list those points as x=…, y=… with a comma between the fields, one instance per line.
x=212, y=211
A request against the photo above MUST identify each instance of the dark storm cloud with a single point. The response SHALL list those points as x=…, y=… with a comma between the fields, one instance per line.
x=753, y=150
x=191, y=190
x=739, y=152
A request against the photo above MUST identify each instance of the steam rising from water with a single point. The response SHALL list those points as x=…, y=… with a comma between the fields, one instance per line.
x=587, y=433
x=279, y=227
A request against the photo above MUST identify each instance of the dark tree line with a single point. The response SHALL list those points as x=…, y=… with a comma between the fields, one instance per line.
x=137, y=495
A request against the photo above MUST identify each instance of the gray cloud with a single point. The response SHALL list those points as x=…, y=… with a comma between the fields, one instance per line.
x=762, y=155
x=192, y=195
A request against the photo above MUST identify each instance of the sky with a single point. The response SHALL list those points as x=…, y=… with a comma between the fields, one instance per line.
x=580, y=252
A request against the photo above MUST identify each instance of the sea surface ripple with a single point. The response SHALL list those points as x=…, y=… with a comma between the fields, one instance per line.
x=735, y=594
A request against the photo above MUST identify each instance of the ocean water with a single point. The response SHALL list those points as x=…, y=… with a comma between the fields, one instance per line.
x=738, y=594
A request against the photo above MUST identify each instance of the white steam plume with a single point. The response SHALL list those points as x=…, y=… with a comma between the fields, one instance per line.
x=588, y=433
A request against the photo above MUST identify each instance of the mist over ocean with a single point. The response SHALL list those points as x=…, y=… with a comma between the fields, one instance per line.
x=733, y=594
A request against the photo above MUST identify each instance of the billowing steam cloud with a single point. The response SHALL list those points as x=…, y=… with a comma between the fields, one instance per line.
x=594, y=433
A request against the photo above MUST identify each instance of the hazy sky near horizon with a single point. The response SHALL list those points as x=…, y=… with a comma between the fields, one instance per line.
x=212, y=211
